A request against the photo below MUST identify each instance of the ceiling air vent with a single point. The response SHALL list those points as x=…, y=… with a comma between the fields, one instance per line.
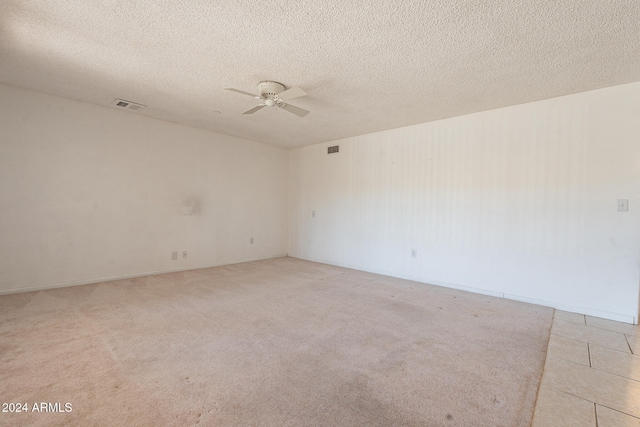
x=127, y=105
x=333, y=150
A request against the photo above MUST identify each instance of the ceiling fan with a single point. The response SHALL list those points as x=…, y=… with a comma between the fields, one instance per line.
x=273, y=94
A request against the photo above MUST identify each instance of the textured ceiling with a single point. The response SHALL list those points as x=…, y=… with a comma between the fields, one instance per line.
x=367, y=66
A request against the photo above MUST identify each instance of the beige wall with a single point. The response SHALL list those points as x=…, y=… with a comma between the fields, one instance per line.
x=518, y=202
x=89, y=193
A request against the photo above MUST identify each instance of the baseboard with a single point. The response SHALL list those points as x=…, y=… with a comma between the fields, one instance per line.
x=126, y=276
x=619, y=317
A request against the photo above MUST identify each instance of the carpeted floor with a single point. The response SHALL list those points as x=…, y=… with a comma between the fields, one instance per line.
x=281, y=342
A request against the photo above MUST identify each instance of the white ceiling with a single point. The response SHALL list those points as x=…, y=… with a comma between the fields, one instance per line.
x=367, y=66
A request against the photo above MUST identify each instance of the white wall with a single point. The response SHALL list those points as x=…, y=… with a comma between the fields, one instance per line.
x=89, y=193
x=519, y=202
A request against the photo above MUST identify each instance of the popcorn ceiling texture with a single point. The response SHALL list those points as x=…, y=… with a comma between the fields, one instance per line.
x=366, y=66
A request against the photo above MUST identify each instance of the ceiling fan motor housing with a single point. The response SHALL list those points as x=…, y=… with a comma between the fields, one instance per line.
x=269, y=90
x=273, y=94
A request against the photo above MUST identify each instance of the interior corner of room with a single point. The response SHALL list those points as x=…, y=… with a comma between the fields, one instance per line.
x=520, y=202
x=320, y=213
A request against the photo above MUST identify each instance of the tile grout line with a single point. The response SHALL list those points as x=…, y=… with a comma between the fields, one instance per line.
x=619, y=411
x=585, y=339
x=589, y=351
x=628, y=343
x=610, y=373
x=595, y=410
x=606, y=329
x=573, y=395
x=603, y=370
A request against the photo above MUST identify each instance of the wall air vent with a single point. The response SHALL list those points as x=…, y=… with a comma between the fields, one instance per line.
x=333, y=150
x=127, y=105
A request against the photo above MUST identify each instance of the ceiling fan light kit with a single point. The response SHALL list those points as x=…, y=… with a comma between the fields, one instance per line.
x=274, y=94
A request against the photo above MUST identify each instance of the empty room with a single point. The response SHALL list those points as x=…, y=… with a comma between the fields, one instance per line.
x=281, y=213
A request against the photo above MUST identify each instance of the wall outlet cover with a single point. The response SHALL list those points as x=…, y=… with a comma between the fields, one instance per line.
x=623, y=205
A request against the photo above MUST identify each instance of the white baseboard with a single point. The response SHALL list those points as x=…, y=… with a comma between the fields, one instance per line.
x=619, y=317
x=47, y=286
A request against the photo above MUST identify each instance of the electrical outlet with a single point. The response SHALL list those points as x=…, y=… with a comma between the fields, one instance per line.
x=184, y=254
x=251, y=240
x=623, y=205
x=174, y=255
x=414, y=253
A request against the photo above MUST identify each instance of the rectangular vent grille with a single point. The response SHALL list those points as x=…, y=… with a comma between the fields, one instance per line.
x=127, y=105
x=333, y=150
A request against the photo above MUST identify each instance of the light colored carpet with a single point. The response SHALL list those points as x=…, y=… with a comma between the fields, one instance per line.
x=281, y=342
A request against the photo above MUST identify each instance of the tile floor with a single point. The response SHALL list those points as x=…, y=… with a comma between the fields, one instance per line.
x=592, y=374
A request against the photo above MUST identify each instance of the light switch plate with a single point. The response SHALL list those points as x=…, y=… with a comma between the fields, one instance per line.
x=623, y=205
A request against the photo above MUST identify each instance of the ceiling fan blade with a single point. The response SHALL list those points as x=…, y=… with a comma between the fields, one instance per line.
x=253, y=95
x=295, y=110
x=294, y=92
x=253, y=110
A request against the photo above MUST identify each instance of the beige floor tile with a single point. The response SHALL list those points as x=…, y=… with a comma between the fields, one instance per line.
x=568, y=349
x=558, y=409
x=615, y=362
x=611, y=325
x=569, y=317
x=601, y=337
x=610, y=418
x=634, y=342
x=613, y=391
